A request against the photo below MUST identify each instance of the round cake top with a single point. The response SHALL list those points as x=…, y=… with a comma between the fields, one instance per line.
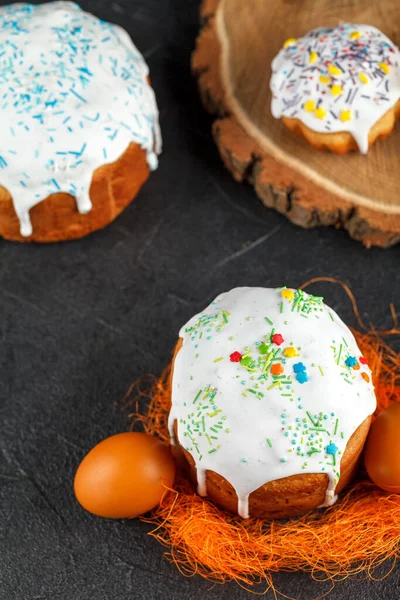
x=268, y=383
x=74, y=94
x=343, y=78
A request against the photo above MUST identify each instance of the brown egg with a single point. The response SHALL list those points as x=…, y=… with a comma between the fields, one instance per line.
x=124, y=476
x=382, y=450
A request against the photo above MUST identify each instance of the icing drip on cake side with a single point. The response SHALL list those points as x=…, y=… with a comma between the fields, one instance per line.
x=337, y=79
x=268, y=384
x=73, y=95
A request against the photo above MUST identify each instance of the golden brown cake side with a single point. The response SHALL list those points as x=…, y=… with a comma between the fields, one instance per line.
x=283, y=498
x=342, y=142
x=57, y=218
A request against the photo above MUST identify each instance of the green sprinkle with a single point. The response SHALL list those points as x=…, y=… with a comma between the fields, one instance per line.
x=345, y=343
x=251, y=391
x=212, y=450
x=311, y=419
x=244, y=460
x=342, y=435
x=269, y=442
x=201, y=335
x=336, y=426
x=281, y=308
x=321, y=370
x=260, y=394
x=208, y=439
x=348, y=381
x=340, y=353
x=268, y=321
x=330, y=314
x=203, y=423
x=263, y=348
x=197, y=397
x=273, y=385
x=218, y=359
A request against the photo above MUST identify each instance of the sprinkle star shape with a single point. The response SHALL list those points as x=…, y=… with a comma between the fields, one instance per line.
x=331, y=449
x=345, y=115
x=336, y=90
x=309, y=106
x=320, y=113
x=288, y=294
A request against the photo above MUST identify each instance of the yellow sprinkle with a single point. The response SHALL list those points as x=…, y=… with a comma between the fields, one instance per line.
x=355, y=35
x=290, y=352
x=288, y=294
x=333, y=70
x=324, y=79
x=363, y=78
x=313, y=57
x=345, y=115
x=320, y=113
x=310, y=106
x=336, y=90
x=385, y=68
x=289, y=42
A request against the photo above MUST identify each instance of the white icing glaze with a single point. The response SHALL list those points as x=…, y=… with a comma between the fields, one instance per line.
x=364, y=84
x=73, y=96
x=250, y=426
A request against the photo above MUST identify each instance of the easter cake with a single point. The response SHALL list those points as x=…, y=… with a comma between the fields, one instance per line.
x=271, y=402
x=338, y=87
x=79, y=131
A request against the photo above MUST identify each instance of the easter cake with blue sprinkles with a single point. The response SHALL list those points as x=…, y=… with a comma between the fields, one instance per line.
x=338, y=87
x=271, y=402
x=79, y=133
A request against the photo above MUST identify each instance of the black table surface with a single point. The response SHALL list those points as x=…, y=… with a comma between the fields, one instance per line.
x=81, y=320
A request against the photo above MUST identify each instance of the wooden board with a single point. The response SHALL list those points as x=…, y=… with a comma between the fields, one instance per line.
x=232, y=62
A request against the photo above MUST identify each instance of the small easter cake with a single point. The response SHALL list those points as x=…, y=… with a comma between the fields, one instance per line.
x=338, y=87
x=79, y=129
x=271, y=402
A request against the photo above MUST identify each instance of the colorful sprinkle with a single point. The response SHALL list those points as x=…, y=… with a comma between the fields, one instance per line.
x=290, y=352
x=345, y=115
x=366, y=377
x=302, y=377
x=277, y=339
x=351, y=361
x=277, y=369
x=299, y=368
x=310, y=106
x=235, y=357
x=331, y=449
x=289, y=42
x=288, y=294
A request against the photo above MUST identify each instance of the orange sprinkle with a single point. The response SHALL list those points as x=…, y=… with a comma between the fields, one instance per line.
x=353, y=537
x=277, y=369
x=366, y=377
x=356, y=367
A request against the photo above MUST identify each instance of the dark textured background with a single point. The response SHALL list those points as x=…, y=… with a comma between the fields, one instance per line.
x=80, y=321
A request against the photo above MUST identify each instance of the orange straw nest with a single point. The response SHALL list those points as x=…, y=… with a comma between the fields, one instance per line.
x=355, y=536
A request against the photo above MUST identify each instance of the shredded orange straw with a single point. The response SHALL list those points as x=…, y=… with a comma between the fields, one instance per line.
x=355, y=536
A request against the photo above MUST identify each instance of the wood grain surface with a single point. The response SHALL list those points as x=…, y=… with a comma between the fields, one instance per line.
x=233, y=64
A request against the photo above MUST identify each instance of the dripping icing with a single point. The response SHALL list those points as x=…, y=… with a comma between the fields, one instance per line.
x=343, y=78
x=87, y=100
x=250, y=430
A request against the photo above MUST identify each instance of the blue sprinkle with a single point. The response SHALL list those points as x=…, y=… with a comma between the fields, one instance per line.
x=351, y=361
x=302, y=377
x=331, y=448
x=299, y=367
